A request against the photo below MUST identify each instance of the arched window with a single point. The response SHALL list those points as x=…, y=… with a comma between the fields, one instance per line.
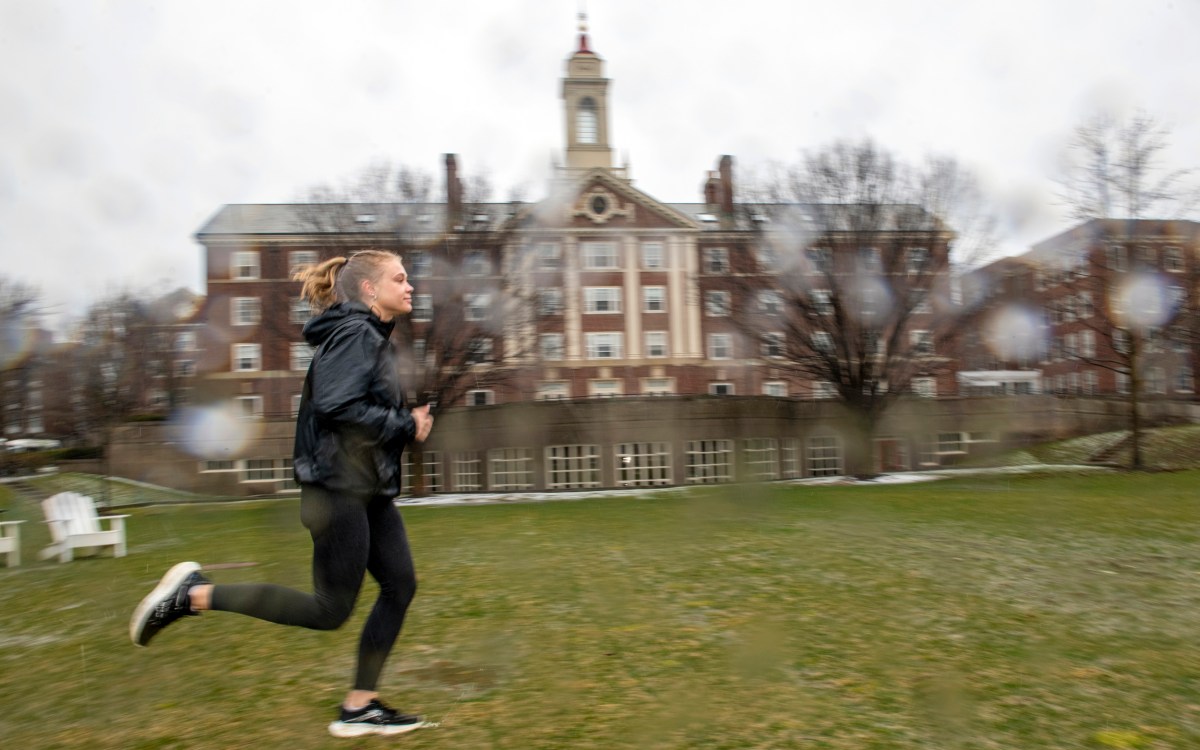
x=586, y=121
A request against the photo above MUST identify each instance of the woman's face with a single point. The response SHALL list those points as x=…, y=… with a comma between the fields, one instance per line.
x=393, y=293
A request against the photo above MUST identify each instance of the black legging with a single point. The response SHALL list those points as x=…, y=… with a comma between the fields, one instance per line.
x=350, y=535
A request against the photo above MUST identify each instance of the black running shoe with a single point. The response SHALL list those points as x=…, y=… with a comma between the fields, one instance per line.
x=166, y=603
x=375, y=718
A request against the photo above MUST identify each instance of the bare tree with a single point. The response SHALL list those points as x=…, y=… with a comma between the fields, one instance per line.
x=851, y=286
x=1111, y=169
x=1113, y=174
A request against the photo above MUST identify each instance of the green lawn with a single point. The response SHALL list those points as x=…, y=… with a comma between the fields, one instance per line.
x=1012, y=612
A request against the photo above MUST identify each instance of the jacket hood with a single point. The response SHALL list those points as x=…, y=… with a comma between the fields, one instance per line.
x=320, y=328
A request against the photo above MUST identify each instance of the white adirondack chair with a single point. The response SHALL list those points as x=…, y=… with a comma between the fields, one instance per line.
x=10, y=541
x=74, y=525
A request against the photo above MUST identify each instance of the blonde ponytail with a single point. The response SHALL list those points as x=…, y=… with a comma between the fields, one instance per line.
x=340, y=279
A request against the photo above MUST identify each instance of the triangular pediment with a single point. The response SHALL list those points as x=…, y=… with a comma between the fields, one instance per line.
x=601, y=200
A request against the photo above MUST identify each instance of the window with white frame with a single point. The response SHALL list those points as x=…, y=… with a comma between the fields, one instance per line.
x=467, y=471
x=218, y=466
x=643, y=464
x=652, y=256
x=602, y=299
x=720, y=346
x=720, y=389
x=1087, y=344
x=822, y=301
x=245, y=311
x=185, y=341
x=918, y=260
x=420, y=351
x=510, y=469
x=422, y=311
x=431, y=464
x=716, y=260
x=761, y=459
x=570, y=467
x=299, y=311
x=599, y=256
x=479, y=350
x=823, y=390
x=245, y=265
x=775, y=389
x=1091, y=383
x=553, y=390
x=1122, y=379
x=709, y=461
x=607, y=345
x=1156, y=380
x=925, y=387
x=922, y=341
x=824, y=456
x=1185, y=380
x=768, y=258
x=1172, y=259
x=654, y=299
x=822, y=341
x=770, y=302
x=918, y=300
x=789, y=458
x=821, y=260
x=550, y=302
x=419, y=264
x=773, y=345
x=551, y=346
x=870, y=260
x=656, y=343
x=605, y=388
x=1118, y=259
x=249, y=407
x=185, y=368
x=265, y=470
x=477, y=306
x=301, y=355
x=549, y=256
x=480, y=397
x=476, y=263
x=298, y=260
x=247, y=357
x=658, y=386
x=716, y=304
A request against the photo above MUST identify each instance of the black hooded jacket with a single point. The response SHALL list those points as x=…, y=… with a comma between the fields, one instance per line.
x=353, y=422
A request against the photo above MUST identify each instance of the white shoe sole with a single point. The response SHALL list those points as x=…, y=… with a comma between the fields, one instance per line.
x=340, y=729
x=166, y=586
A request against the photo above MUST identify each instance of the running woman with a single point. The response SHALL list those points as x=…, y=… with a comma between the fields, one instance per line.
x=352, y=427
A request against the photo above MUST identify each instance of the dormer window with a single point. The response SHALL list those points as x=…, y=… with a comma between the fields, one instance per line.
x=587, y=121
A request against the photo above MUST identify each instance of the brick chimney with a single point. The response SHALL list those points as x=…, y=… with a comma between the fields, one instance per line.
x=712, y=191
x=454, y=192
x=725, y=170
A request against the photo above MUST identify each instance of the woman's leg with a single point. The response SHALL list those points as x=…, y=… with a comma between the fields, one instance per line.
x=390, y=564
x=340, y=532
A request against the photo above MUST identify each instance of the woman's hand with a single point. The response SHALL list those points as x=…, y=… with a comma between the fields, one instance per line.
x=424, y=422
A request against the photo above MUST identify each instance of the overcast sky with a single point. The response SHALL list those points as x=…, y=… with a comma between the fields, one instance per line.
x=124, y=125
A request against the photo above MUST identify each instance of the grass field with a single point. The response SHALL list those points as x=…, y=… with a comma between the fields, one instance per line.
x=1015, y=612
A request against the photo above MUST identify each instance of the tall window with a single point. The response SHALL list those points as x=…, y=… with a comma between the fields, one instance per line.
x=479, y=350
x=605, y=345
x=652, y=255
x=918, y=259
x=551, y=346
x=600, y=255
x=476, y=263
x=716, y=304
x=716, y=260
x=587, y=121
x=654, y=299
x=656, y=343
x=419, y=264
x=246, y=311
x=245, y=265
x=467, y=471
x=422, y=308
x=477, y=306
x=549, y=257
x=720, y=346
x=821, y=259
x=247, y=357
x=602, y=299
x=709, y=461
x=300, y=311
x=550, y=302
x=772, y=344
x=302, y=355
x=761, y=459
x=299, y=259
x=770, y=302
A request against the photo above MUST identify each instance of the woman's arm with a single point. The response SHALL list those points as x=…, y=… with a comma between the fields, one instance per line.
x=342, y=380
